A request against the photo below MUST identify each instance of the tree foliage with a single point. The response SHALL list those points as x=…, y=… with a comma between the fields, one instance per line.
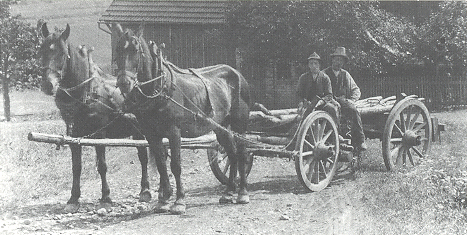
x=380, y=37
x=19, y=48
x=443, y=39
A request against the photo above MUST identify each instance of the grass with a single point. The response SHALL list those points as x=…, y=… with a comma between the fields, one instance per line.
x=427, y=199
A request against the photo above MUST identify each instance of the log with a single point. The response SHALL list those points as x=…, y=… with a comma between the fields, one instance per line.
x=204, y=141
x=275, y=113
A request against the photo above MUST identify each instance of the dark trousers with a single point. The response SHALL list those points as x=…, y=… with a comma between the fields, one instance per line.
x=349, y=110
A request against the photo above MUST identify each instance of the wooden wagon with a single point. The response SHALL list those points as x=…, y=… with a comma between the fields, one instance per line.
x=315, y=142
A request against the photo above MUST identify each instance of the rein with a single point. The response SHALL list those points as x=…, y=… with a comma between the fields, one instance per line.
x=80, y=101
x=137, y=84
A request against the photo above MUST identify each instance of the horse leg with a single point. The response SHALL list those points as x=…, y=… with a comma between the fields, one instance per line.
x=243, y=197
x=73, y=202
x=179, y=206
x=144, y=195
x=165, y=192
x=239, y=125
x=102, y=169
x=226, y=140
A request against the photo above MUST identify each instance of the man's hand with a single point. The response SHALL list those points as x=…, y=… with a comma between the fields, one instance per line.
x=341, y=99
x=320, y=103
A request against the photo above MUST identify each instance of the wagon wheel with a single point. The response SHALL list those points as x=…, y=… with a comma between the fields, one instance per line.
x=220, y=163
x=407, y=134
x=318, y=151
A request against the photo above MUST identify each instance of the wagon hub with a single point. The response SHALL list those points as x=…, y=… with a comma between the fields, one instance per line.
x=322, y=151
x=410, y=138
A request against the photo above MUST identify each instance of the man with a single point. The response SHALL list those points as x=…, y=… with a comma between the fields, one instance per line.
x=346, y=93
x=314, y=87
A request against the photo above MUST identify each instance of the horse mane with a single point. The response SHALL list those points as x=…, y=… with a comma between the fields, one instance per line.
x=78, y=69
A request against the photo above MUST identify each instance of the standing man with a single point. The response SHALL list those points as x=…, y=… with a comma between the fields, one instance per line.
x=315, y=87
x=346, y=93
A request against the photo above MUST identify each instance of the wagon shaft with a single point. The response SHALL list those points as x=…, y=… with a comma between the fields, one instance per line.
x=204, y=141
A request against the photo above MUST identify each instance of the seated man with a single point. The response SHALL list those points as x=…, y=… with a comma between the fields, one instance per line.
x=346, y=93
x=314, y=86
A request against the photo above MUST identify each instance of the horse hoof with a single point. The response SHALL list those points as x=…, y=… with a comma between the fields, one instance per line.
x=177, y=209
x=71, y=208
x=243, y=199
x=145, y=196
x=162, y=207
x=225, y=199
x=105, y=205
x=105, y=200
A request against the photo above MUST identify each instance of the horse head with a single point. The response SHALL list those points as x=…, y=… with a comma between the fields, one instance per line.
x=54, y=53
x=133, y=59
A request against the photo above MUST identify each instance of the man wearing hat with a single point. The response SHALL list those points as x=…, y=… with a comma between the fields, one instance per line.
x=314, y=86
x=346, y=93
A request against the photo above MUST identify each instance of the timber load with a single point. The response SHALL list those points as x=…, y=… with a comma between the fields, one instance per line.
x=371, y=105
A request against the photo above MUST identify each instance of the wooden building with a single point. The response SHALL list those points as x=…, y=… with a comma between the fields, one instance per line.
x=187, y=28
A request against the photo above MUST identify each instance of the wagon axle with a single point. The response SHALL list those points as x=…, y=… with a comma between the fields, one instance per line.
x=323, y=151
x=410, y=138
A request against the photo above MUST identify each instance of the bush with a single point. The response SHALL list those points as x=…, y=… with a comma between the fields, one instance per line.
x=19, y=46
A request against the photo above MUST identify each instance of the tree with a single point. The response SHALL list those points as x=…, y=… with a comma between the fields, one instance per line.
x=291, y=30
x=19, y=43
x=444, y=36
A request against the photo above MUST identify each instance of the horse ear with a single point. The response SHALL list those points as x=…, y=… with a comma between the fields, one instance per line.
x=140, y=30
x=153, y=47
x=44, y=30
x=66, y=33
x=118, y=29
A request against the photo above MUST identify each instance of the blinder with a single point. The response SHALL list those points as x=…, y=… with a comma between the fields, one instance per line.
x=161, y=82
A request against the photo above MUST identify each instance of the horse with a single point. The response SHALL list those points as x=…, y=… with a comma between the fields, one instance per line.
x=88, y=101
x=172, y=102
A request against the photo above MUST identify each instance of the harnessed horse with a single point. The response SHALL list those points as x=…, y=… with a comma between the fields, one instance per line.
x=172, y=102
x=88, y=103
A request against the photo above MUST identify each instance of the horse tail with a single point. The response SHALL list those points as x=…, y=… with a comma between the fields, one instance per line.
x=241, y=94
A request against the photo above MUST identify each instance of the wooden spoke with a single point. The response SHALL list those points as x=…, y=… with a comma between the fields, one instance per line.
x=324, y=169
x=311, y=173
x=321, y=129
x=402, y=122
x=226, y=167
x=399, y=129
x=313, y=133
x=326, y=136
x=410, y=157
x=395, y=151
x=309, y=144
x=418, y=152
x=399, y=155
x=404, y=156
x=307, y=154
x=308, y=160
x=408, y=117
x=414, y=119
x=419, y=127
x=396, y=140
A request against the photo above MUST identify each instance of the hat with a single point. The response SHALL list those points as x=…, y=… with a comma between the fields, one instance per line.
x=340, y=51
x=314, y=56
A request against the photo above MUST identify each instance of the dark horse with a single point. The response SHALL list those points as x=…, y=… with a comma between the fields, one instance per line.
x=88, y=103
x=173, y=103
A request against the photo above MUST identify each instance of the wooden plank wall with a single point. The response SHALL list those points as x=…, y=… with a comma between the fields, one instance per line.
x=188, y=46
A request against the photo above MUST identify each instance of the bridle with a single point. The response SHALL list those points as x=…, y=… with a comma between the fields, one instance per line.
x=160, y=87
x=66, y=59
